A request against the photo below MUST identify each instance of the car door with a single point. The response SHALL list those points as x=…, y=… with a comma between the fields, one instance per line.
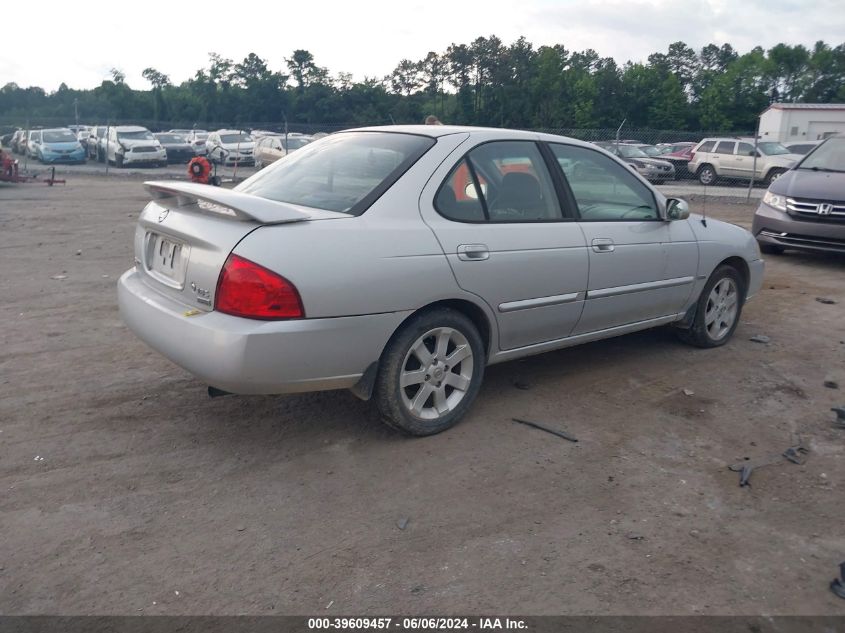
x=500, y=223
x=744, y=160
x=724, y=159
x=641, y=266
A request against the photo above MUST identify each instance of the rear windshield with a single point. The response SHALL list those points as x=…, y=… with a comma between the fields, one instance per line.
x=235, y=138
x=170, y=138
x=343, y=172
x=629, y=151
x=829, y=156
x=650, y=150
x=140, y=135
x=58, y=136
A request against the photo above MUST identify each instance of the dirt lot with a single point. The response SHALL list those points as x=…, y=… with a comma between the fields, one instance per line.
x=124, y=489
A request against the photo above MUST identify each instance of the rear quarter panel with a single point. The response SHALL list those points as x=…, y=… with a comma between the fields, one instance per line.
x=386, y=260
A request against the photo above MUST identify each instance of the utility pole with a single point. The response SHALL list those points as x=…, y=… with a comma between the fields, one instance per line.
x=76, y=113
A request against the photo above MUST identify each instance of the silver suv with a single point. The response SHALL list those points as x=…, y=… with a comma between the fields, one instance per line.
x=715, y=158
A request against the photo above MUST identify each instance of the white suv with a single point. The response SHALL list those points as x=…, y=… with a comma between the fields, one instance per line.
x=715, y=158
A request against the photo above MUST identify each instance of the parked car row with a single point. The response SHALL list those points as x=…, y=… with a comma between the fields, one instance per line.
x=135, y=145
x=711, y=159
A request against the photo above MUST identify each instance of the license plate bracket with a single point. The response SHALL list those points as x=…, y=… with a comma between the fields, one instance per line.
x=166, y=259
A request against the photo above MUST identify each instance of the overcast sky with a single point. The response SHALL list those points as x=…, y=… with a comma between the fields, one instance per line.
x=79, y=42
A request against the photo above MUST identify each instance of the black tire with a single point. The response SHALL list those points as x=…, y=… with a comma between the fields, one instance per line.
x=698, y=334
x=707, y=175
x=770, y=249
x=118, y=161
x=773, y=175
x=397, y=358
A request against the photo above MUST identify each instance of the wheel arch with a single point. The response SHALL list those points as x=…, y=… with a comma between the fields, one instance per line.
x=741, y=266
x=363, y=389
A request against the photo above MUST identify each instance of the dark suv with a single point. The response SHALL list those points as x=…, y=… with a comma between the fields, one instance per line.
x=805, y=207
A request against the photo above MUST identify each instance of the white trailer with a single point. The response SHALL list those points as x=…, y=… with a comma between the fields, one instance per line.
x=791, y=122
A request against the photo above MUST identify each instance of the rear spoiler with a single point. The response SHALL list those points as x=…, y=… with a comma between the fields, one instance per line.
x=241, y=206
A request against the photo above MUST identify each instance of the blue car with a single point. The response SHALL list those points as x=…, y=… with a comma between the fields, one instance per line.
x=59, y=146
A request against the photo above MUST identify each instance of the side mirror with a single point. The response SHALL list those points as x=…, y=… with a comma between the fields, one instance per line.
x=751, y=152
x=677, y=209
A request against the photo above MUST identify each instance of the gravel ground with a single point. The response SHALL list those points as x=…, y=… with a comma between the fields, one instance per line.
x=126, y=490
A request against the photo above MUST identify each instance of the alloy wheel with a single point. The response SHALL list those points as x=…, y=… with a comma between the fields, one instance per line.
x=436, y=373
x=720, y=313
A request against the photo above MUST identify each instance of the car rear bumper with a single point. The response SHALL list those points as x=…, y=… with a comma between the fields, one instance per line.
x=780, y=229
x=255, y=357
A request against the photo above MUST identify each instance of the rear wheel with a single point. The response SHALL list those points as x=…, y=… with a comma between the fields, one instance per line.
x=773, y=175
x=430, y=372
x=718, y=310
x=707, y=175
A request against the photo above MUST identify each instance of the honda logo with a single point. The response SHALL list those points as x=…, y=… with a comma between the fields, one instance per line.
x=825, y=208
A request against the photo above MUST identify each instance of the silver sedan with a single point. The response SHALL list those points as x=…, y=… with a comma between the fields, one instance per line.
x=398, y=262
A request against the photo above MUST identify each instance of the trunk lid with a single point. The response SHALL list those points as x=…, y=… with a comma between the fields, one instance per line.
x=185, y=234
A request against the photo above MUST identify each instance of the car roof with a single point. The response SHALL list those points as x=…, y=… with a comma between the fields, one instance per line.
x=436, y=131
x=130, y=128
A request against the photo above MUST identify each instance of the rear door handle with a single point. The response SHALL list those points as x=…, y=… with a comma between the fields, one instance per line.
x=603, y=245
x=473, y=252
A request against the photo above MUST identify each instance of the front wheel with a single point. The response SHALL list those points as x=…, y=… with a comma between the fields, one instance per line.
x=430, y=372
x=718, y=310
x=118, y=161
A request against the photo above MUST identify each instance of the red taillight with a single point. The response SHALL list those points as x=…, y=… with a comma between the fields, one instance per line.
x=248, y=290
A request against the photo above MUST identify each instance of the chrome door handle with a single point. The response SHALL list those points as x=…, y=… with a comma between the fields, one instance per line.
x=473, y=252
x=603, y=245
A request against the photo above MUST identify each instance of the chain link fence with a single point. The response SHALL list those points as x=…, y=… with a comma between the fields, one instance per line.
x=731, y=158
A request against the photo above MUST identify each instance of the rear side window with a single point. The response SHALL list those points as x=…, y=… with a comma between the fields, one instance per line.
x=725, y=147
x=503, y=181
x=344, y=172
x=706, y=146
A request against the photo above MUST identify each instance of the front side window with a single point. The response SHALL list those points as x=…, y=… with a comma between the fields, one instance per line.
x=603, y=189
x=745, y=149
x=344, y=172
x=506, y=180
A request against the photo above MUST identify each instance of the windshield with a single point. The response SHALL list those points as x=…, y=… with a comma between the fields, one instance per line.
x=140, y=135
x=830, y=155
x=235, y=138
x=341, y=172
x=650, y=150
x=772, y=149
x=170, y=138
x=200, y=136
x=58, y=136
x=629, y=151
